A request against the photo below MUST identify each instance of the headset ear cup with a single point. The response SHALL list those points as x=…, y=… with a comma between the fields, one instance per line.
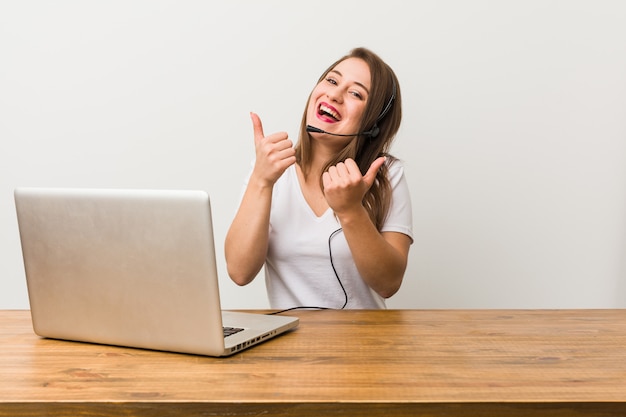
x=374, y=132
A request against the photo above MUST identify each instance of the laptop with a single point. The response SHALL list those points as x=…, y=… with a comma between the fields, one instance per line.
x=132, y=268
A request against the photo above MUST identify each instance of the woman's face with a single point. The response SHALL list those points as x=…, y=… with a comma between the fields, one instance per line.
x=338, y=102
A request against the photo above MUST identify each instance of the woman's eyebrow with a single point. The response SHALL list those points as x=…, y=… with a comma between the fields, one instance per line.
x=356, y=82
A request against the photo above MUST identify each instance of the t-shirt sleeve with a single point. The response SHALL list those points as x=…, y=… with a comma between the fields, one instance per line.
x=400, y=216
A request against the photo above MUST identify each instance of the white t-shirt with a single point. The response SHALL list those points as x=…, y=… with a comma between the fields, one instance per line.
x=298, y=268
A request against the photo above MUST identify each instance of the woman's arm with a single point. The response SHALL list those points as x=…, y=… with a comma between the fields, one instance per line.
x=247, y=238
x=381, y=258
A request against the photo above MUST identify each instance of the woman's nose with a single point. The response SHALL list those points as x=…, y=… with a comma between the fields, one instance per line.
x=335, y=94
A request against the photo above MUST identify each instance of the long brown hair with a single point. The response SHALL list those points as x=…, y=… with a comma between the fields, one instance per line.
x=364, y=149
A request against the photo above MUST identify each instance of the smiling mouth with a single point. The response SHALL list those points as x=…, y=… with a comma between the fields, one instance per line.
x=326, y=111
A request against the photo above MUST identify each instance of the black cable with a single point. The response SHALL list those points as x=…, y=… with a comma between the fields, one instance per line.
x=298, y=308
x=330, y=253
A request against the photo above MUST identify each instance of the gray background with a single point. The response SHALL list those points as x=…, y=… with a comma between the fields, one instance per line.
x=514, y=135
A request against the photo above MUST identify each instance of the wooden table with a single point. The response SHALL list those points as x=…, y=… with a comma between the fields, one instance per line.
x=354, y=363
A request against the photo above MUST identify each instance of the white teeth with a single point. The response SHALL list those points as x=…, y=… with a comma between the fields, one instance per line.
x=329, y=111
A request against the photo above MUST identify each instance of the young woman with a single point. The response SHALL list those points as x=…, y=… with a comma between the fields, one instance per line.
x=331, y=218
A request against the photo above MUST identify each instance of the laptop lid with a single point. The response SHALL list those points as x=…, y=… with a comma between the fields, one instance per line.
x=129, y=267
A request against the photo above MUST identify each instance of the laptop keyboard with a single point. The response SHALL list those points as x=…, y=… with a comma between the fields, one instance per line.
x=229, y=331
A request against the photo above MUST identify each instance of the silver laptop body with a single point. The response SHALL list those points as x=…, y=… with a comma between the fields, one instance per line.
x=132, y=268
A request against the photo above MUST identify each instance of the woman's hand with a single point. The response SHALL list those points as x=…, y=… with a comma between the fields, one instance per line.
x=345, y=187
x=274, y=153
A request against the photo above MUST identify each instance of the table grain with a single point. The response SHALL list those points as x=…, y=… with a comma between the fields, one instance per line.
x=353, y=362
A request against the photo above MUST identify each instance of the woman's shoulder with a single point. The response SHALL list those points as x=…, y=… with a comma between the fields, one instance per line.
x=395, y=166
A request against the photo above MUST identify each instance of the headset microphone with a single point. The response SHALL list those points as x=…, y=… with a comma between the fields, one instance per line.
x=373, y=132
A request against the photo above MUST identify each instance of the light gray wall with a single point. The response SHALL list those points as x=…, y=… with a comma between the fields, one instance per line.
x=514, y=135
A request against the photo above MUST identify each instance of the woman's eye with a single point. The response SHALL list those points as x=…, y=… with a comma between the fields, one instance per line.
x=331, y=81
x=357, y=94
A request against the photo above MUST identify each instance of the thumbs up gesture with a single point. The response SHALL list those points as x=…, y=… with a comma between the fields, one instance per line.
x=274, y=153
x=345, y=187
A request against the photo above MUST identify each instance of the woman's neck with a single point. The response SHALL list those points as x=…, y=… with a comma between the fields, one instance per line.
x=320, y=155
